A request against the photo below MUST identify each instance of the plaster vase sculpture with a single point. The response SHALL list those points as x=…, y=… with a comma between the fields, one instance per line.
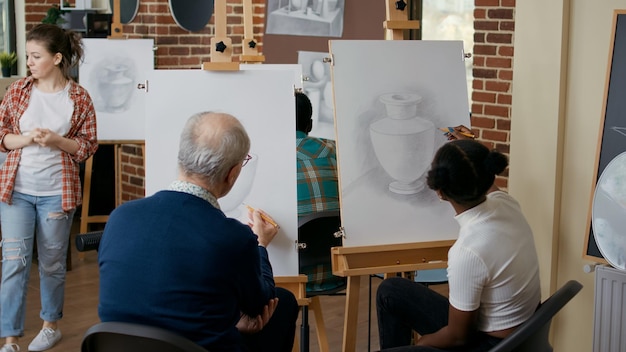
x=299, y=5
x=403, y=142
x=232, y=203
x=115, y=87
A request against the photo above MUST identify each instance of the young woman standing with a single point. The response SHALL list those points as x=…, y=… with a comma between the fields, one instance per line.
x=47, y=127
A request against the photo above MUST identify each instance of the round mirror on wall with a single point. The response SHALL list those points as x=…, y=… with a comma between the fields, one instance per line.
x=609, y=212
x=128, y=10
x=192, y=15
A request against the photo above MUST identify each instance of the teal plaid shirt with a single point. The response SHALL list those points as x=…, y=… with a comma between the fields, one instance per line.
x=318, y=190
x=317, y=174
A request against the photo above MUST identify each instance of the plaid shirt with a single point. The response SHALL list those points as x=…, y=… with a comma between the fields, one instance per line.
x=317, y=174
x=82, y=130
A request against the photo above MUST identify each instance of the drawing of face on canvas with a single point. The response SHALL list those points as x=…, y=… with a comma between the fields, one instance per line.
x=111, y=71
x=233, y=204
x=390, y=99
x=318, y=88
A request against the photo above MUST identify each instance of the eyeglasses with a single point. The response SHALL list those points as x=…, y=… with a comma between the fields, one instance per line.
x=245, y=161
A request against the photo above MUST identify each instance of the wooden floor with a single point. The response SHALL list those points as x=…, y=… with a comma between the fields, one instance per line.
x=81, y=302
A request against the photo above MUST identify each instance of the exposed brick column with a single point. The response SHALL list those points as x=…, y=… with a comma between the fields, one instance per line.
x=494, y=27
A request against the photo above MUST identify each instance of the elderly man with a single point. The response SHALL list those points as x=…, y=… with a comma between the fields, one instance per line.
x=175, y=261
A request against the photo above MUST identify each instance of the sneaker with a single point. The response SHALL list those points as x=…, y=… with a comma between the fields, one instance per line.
x=45, y=339
x=10, y=347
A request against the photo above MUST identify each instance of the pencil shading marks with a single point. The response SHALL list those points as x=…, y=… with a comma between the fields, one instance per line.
x=620, y=130
x=387, y=124
x=233, y=203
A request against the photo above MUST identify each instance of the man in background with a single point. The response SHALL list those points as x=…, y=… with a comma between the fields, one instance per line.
x=318, y=188
x=317, y=164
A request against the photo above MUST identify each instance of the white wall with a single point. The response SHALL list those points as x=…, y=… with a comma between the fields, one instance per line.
x=561, y=57
x=20, y=36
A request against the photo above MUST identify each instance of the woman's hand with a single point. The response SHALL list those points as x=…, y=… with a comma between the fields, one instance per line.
x=45, y=137
x=460, y=132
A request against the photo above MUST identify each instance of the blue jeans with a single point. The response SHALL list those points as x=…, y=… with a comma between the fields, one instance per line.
x=403, y=305
x=27, y=219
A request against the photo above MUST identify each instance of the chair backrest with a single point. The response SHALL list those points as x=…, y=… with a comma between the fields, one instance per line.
x=317, y=231
x=129, y=337
x=532, y=335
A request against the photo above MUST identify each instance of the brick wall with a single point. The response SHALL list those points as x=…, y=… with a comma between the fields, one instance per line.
x=178, y=48
x=494, y=27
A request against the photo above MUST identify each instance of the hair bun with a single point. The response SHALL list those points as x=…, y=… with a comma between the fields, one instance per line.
x=496, y=162
x=440, y=177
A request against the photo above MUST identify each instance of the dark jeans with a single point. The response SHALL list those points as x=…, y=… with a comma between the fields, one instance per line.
x=403, y=305
x=279, y=333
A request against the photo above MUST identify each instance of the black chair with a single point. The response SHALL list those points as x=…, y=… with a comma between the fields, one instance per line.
x=316, y=236
x=127, y=337
x=533, y=334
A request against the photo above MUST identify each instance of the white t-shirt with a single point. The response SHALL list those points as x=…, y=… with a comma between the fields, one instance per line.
x=40, y=170
x=493, y=266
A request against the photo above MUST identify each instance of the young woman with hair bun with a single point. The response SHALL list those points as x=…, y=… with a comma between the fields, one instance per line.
x=493, y=270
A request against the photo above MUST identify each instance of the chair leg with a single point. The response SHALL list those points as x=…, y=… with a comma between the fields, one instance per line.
x=322, y=339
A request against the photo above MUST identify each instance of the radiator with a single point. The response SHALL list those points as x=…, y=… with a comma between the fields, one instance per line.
x=609, y=323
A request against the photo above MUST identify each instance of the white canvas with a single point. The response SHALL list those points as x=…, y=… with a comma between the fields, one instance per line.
x=111, y=71
x=295, y=68
x=384, y=199
x=263, y=101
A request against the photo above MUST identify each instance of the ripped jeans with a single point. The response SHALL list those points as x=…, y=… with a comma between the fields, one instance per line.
x=27, y=219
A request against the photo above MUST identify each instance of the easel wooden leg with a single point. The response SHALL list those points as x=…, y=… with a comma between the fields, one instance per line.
x=320, y=327
x=351, y=313
x=84, y=214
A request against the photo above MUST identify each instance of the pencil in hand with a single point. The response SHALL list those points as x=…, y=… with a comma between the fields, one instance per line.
x=450, y=130
x=265, y=217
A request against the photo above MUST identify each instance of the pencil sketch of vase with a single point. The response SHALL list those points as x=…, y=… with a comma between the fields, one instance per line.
x=403, y=142
x=115, y=86
x=232, y=203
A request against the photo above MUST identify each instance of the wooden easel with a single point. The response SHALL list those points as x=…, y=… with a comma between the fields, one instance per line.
x=353, y=262
x=117, y=32
x=250, y=52
x=117, y=29
x=221, y=60
x=85, y=218
x=397, y=20
x=221, y=45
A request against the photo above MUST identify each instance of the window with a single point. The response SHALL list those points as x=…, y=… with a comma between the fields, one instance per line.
x=7, y=26
x=447, y=20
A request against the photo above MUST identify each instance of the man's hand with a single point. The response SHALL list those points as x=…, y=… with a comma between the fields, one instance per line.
x=251, y=325
x=264, y=230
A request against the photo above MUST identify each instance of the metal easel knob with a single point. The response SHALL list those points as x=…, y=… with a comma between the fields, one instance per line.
x=341, y=233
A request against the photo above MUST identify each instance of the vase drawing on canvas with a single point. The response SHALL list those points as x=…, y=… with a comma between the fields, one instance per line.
x=403, y=142
x=115, y=85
